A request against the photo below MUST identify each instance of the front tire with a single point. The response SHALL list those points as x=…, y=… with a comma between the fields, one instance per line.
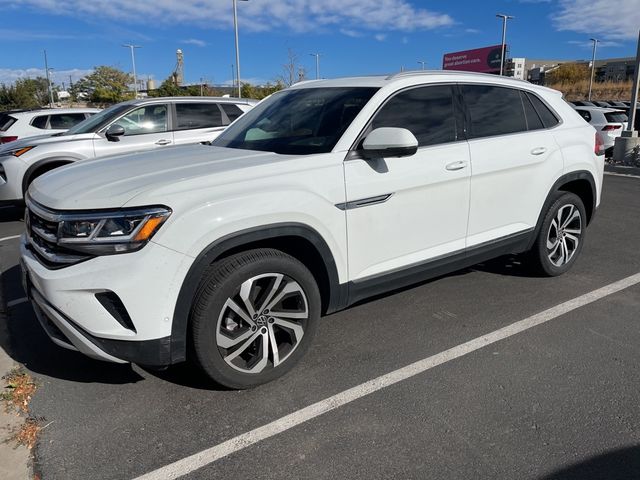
x=561, y=236
x=254, y=316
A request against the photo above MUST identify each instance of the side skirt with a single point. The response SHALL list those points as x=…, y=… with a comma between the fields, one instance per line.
x=389, y=281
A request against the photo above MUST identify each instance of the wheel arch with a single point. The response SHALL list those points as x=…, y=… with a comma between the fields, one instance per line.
x=298, y=240
x=581, y=183
x=46, y=165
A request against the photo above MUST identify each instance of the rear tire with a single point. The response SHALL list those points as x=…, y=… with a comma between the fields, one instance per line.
x=561, y=236
x=254, y=316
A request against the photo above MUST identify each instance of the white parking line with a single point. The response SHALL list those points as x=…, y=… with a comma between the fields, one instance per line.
x=17, y=301
x=210, y=455
x=9, y=238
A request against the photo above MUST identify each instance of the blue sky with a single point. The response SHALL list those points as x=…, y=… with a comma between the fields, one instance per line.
x=354, y=36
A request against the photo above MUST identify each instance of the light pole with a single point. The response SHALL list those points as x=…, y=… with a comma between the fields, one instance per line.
x=133, y=63
x=317, y=55
x=504, y=38
x=46, y=69
x=423, y=63
x=593, y=64
x=235, y=28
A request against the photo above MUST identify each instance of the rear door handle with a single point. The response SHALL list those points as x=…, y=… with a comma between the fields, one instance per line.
x=163, y=142
x=456, y=165
x=538, y=151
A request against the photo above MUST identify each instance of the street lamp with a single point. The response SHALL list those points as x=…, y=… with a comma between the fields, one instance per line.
x=504, y=38
x=235, y=28
x=133, y=63
x=593, y=64
x=317, y=55
x=423, y=63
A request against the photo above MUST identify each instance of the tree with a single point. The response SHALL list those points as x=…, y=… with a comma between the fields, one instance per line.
x=168, y=88
x=258, y=93
x=568, y=73
x=105, y=85
x=292, y=71
x=25, y=93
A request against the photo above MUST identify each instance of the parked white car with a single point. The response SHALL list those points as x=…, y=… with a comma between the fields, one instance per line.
x=609, y=121
x=134, y=126
x=20, y=124
x=324, y=194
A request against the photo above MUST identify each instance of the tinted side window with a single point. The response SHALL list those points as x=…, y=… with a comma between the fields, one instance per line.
x=232, y=111
x=494, y=110
x=65, y=121
x=426, y=111
x=148, y=119
x=40, y=122
x=533, y=120
x=548, y=118
x=198, y=115
x=5, y=122
x=585, y=114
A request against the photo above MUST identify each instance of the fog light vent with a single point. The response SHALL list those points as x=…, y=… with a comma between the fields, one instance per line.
x=112, y=304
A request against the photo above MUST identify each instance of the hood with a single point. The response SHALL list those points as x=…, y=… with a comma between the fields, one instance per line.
x=38, y=140
x=111, y=182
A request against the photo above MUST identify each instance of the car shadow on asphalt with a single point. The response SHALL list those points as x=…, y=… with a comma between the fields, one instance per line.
x=619, y=464
x=11, y=213
x=507, y=265
x=28, y=344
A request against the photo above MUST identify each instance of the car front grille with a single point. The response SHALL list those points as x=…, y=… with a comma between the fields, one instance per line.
x=42, y=227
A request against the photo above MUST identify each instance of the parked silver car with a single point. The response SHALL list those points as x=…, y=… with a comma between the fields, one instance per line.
x=132, y=126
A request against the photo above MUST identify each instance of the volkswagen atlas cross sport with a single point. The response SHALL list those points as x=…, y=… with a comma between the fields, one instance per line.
x=325, y=193
x=133, y=126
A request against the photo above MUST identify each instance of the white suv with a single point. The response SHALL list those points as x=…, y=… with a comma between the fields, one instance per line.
x=324, y=194
x=133, y=126
x=20, y=124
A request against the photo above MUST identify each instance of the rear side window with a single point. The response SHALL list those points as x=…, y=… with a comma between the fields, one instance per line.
x=232, y=111
x=585, y=114
x=548, y=117
x=65, y=121
x=40, y=122
x=616, y=117
x=533, y=120
x=198, y=115
x=426, y=111
x=6, y=121
x=494, y=110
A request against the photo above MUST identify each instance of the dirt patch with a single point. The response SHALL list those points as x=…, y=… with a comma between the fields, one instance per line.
x=17, y=393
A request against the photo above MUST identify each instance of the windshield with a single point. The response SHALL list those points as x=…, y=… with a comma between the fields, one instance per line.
x=298, y=121
x=616, y=117
x=99, y=120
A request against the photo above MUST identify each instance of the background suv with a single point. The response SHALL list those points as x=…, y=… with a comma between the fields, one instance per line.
x=19, y=124
x=131, y=126
x=325, y=193
x=610, y=122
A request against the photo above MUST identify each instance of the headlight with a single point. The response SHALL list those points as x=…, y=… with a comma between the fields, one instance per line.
x=107, y=233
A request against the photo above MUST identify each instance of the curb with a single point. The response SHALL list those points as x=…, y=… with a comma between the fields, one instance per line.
x=622, y=170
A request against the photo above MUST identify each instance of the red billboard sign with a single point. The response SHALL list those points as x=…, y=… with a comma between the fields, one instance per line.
x=483, y=60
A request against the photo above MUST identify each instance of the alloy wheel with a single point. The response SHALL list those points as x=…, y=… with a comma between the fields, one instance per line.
x=262, y=323
x=564, y=235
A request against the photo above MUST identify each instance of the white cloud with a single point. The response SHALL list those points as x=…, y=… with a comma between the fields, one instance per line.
x=195, y=41
x=589, y=45
x=351, y=33
x=381, y=37
x=296, y=15
x=471, y=30
x=9, y=75
x=618, y=19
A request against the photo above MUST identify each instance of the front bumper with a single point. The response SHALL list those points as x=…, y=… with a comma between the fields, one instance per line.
x=146, y=282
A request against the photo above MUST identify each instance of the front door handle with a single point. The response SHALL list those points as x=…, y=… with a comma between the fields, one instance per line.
x=456, y=165
x=538, y=151
x=163, y=142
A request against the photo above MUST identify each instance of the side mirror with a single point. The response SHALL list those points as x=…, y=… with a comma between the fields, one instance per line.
x=114, y=132
x=389, y=142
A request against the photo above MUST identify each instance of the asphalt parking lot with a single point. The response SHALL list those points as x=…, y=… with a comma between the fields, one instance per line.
x=556, y=401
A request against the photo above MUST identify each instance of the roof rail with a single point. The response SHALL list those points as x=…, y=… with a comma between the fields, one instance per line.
x=412, y=73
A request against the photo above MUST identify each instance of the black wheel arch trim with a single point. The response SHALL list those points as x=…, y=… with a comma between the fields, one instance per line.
x=179, y=329
x=42, y=163
x=563, y=180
